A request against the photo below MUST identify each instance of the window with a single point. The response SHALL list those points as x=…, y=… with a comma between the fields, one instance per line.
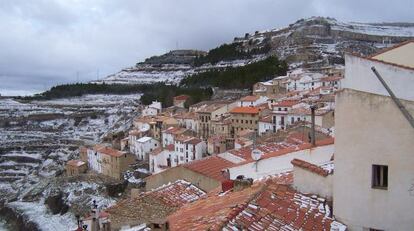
x=380, y=176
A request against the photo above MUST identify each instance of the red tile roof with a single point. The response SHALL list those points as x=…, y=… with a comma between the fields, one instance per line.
x=310, y=167
x=178, y=193
x=181, y=97
x=266, y=205
x=285, y=103
x=250, y=98
x=245, y=110
x=331, y=78
x=210, y=166
x=108, y=151
x=75, y=163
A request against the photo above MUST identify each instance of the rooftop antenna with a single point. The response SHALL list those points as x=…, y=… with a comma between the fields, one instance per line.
x=256, y=153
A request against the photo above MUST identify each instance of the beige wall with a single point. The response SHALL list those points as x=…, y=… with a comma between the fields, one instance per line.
x=115, y=166
x=74, y=171
x=171, y=175
x=371, y=130
x=401, y=55
x=306, y=181
x=252, y=122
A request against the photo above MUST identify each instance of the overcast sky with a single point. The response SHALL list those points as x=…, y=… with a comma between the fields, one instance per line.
x=47, y=42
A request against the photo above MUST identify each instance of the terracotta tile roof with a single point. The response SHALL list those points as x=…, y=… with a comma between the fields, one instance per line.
x=178, y=193
x=175, y=130
x=153, y=205
x=310, y=167
x=156, y=151
x=279, y=207
x=75, y=163
x=245, y=110
x=331, y=78
x=285, y=103
x=181, y=97
x=266, y=205
x=213, y=212
x=108, y=151
x=250, y=98
x=188, y=140
x=266, y=119
x=210, y=166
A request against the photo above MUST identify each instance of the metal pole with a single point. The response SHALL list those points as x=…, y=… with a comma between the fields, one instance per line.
x=313, y=138
x=400, y=106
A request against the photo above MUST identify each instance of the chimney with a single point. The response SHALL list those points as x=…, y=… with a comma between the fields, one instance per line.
x=227, y=184
x=313, y=138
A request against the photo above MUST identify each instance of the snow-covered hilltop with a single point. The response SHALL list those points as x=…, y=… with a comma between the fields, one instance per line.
x=313, y=42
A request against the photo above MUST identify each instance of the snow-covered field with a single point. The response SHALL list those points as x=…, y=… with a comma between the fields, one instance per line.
x=39, y=137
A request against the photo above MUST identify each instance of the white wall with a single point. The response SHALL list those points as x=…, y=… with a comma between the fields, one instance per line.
x=306, y=181
x=358, y=76
x=379, y=135
x=278, y=164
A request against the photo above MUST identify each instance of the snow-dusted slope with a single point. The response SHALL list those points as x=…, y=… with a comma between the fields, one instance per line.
x=315, y=41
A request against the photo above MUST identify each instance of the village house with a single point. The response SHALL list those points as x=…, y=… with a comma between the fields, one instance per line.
x=212, y=111
x=252, y=100
x=159, y=123
x=180, y=100
x=153, y=109
x=109, y=161
x=150, y=209
x=168, y=135
x=145, y=145
x=189, y=148
x=304, y=81
x=206, y=174
x=188, y=120
x=373, y=179
x=75, y=167
x=280, y=113
x=274, y=86
x=221, y=126
x=324, y=117
x=243, y=118
x=266, y=125
x=278, y=158
x=218, y=144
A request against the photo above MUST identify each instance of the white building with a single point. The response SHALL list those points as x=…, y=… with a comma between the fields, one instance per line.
x=304, y=81
x=189, y=148
x=94, y=160
x=374, y=173
x=153, y=109
x=252, y=101
x=168, y=135
x=266, y=125
x=145, y=145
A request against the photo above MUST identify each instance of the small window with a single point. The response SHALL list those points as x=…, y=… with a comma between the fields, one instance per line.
x=380, y=176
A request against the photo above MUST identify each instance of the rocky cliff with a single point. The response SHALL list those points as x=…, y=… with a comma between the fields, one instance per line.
x=311, y=42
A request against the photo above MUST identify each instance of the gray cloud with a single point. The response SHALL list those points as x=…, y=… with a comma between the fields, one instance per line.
x=46, y=42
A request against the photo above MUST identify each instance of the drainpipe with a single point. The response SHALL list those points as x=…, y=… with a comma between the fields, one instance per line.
x=313, y=138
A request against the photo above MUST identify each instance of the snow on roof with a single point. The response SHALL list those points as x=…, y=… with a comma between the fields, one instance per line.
x=266, y=205
x=75, y=163
x=310, y=167
x=144, y=139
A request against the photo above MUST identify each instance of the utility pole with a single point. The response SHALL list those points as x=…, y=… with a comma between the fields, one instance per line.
x=313, y=138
